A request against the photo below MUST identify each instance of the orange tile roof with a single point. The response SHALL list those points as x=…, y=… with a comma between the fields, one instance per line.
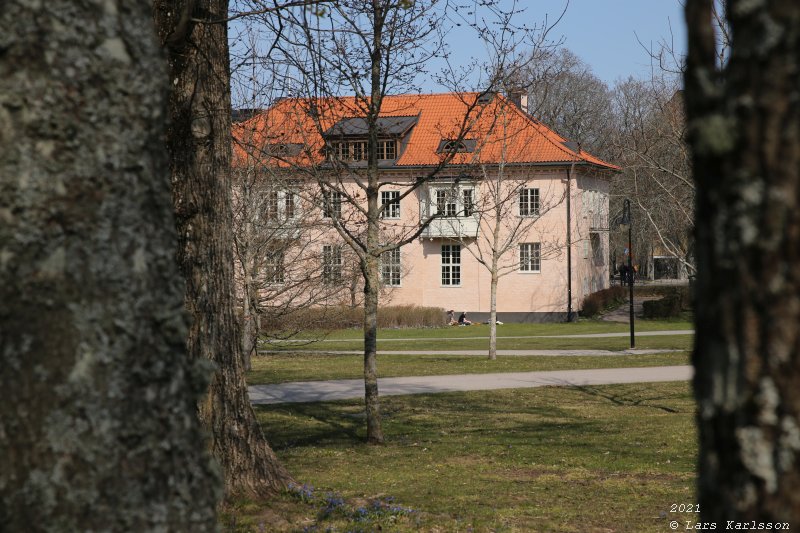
x=500, y=130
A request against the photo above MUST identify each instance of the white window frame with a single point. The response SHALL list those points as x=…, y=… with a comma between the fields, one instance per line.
x=453, y=201
x=331, y=204
x=276, y=205
x=331, y=264
x=530, y=257
x=451, y=265
x=390, y=200
x=529, y=202
x=275, y=267
x=391, y=268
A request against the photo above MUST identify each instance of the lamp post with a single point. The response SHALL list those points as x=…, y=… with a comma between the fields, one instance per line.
x=627, y=223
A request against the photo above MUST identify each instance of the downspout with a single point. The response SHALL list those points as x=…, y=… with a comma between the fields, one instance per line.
x=569, y=242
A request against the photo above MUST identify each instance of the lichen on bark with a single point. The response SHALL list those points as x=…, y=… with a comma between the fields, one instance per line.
x=98, y=428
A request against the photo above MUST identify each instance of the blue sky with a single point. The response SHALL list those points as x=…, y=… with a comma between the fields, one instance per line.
x=603, y=33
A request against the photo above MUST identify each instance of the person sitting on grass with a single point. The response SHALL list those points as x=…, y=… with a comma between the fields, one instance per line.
x=451, y=318
x=462, y=320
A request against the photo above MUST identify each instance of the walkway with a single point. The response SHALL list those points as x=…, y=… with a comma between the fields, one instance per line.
x=318, y=391
x=483, y=352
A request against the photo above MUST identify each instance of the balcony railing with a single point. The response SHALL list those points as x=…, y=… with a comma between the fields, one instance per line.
x=453, y=227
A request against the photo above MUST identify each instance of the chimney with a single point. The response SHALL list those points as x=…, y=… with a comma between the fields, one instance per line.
x=520, y=99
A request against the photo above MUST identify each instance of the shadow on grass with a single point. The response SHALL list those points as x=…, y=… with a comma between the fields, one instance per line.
x=630, y=398
x=429, y=418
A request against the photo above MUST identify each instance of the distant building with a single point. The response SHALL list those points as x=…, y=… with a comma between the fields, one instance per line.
x=297, y=138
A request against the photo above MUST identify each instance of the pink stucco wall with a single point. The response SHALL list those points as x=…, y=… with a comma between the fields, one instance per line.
x=518, y=292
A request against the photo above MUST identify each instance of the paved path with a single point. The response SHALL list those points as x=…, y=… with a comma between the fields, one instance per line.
x=513, y=353
x=317, y=391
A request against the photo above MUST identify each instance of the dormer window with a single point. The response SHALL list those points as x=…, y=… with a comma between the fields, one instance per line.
x=387, y=149
x=485, y=98
x=357, y=150
x=450, y=146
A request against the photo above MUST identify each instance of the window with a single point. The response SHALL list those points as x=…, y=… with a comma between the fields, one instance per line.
x=387, y=149
x=445, y=203
x=391, y=204
x=469, y=206
x=390, y=268
x=530, y=259
x=598, y=254
x=274, y=267
x=279, y=205
x=452, y=202
x=331, y=264
x=453, y=146
x=289, y=204
x=358, y=151
x=332, y=204
x=529, y=202
x=350, y=151
x=451, y=264
x=271, y=207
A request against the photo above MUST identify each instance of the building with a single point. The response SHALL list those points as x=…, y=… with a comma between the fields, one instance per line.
x=475, y=159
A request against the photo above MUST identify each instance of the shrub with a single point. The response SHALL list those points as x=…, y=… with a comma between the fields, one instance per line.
x=598, y=301
x=667, y=307
x=343, y=317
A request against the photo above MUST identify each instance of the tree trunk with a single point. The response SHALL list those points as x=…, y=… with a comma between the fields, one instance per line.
x=745, y=136
x=493, y=312
x=249, y=336
x=371, y=398
x=199, y=143
x=98, y=427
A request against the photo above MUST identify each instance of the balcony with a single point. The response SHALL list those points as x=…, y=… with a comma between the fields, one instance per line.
x=452, y=228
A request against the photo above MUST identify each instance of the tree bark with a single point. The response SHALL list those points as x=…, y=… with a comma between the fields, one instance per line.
x=371, y=397
x=98, y=427
x=744, y=130
x=493, y=311
x=199, y=144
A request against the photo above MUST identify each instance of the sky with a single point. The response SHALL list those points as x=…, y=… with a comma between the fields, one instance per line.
x=603, y=33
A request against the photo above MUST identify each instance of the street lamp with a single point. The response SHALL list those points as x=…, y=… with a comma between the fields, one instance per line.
x=626, y=223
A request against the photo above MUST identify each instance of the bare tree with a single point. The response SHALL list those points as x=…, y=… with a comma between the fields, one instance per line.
x=744, y=132
x=567, y=96
x=276, y=230
x=509, y=210
x=98, y=427
x=650, y=144
x=369, y=50
x=199, y=144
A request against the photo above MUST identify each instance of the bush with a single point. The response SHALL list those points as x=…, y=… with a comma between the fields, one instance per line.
x=599, y=301
x=343, y=317
x=667, y=307
x=682, y=292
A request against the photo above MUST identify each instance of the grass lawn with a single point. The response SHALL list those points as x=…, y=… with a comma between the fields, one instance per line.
x=283, y=367
x=510, y=336
x=306, y=365
x=597, y=459
x=674, y=342
x=575, y=328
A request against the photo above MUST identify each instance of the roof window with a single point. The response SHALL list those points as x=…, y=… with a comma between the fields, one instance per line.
x=456, y=146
